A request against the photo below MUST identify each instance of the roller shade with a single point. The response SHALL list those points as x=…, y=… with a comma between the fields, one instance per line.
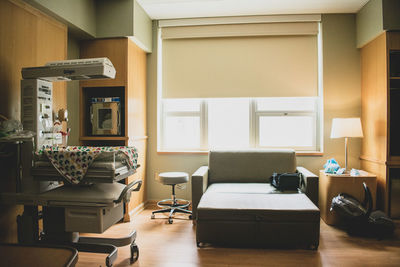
x=253, y=64
x=254, y=29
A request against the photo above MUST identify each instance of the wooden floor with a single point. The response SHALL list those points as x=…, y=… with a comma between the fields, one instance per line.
x=163, y=244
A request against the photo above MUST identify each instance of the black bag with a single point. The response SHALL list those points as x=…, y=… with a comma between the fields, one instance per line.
x=286, y=181
x=359, y=217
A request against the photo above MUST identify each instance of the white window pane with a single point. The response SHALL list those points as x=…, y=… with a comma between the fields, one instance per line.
x=182, y=132
x=286, y=104
x=173, y=105
x=228, y=123
x=286, y=131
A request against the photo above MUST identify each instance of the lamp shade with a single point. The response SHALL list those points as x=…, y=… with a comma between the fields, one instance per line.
x=346, y=127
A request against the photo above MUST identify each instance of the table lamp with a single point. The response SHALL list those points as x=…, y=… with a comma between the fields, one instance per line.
x=346, y=127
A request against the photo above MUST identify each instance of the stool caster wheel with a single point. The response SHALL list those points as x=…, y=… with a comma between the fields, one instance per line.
x=190, y=217
x=170, y=221
x=153, y=216
x=134, y=253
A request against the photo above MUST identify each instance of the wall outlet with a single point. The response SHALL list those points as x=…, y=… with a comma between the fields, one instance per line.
x=181, y=186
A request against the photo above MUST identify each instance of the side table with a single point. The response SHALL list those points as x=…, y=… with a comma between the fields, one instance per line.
x=330, y=185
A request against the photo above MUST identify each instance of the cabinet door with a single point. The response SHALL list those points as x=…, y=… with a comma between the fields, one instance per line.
x=138, y=198
x=394, y=176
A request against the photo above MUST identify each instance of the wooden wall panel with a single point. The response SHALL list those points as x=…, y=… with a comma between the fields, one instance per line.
x=136, y=116
x=374, y=99
x=374, y=114
x=51, y=46
x=138, y=198
x=18, y=31
x=114, y=49
x=27, y=38
x=379, y=169
x=136, y=91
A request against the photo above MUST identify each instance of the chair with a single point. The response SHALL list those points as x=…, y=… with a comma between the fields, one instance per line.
x=173, y=205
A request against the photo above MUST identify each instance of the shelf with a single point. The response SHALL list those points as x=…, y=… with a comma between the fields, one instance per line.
x=393, y=161
x=87, y=93
x=395, y=78
x=100, y=138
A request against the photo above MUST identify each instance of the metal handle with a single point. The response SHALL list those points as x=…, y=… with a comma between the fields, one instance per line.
x=126, y=193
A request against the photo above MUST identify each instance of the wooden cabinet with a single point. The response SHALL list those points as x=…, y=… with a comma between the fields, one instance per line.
x=130, y=85
x=380, y=97
x=330, y=185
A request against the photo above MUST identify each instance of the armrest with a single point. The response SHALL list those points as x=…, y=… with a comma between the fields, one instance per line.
x=310, y=185
x=199, y=186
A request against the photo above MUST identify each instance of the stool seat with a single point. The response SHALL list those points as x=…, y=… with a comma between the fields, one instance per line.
x=172, y=178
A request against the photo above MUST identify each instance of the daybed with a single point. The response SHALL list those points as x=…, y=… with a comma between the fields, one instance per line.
x=235, y=205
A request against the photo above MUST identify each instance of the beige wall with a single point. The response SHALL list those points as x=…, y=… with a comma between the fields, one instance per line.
x=156, y=162
x=376, y=17
x=79, y=15
x=124, y=18
x=114, y=18
x=101, y=18
x=142, y=28
x=342, y=98
x=391, y=18
x=341, y=88
x=369, y=22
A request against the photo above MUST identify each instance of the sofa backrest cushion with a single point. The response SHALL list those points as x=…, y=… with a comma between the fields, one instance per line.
x=249, y=166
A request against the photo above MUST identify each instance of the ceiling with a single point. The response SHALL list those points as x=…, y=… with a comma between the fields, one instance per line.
x=172, y=9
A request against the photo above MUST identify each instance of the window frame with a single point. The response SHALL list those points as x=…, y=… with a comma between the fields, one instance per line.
x=257, y=114
x=254, y=125
x=202, y=114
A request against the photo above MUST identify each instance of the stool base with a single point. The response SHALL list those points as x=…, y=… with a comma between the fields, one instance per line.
x=172, y=207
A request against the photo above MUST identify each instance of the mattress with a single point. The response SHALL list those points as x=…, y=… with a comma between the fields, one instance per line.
x=105, y=167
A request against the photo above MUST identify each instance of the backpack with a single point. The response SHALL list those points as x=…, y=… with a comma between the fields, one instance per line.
x=359, y=217
x=286, y=181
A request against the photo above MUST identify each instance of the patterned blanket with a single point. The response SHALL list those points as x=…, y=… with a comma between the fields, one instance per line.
x=72, y=162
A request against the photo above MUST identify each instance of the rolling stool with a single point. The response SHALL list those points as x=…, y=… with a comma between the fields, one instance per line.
x=173, y=205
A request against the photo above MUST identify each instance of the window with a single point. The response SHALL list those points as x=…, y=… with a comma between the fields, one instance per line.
x=237, y=123
x=181, y=125
x=228, y=121
x=286, y=123
x=241, y=84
